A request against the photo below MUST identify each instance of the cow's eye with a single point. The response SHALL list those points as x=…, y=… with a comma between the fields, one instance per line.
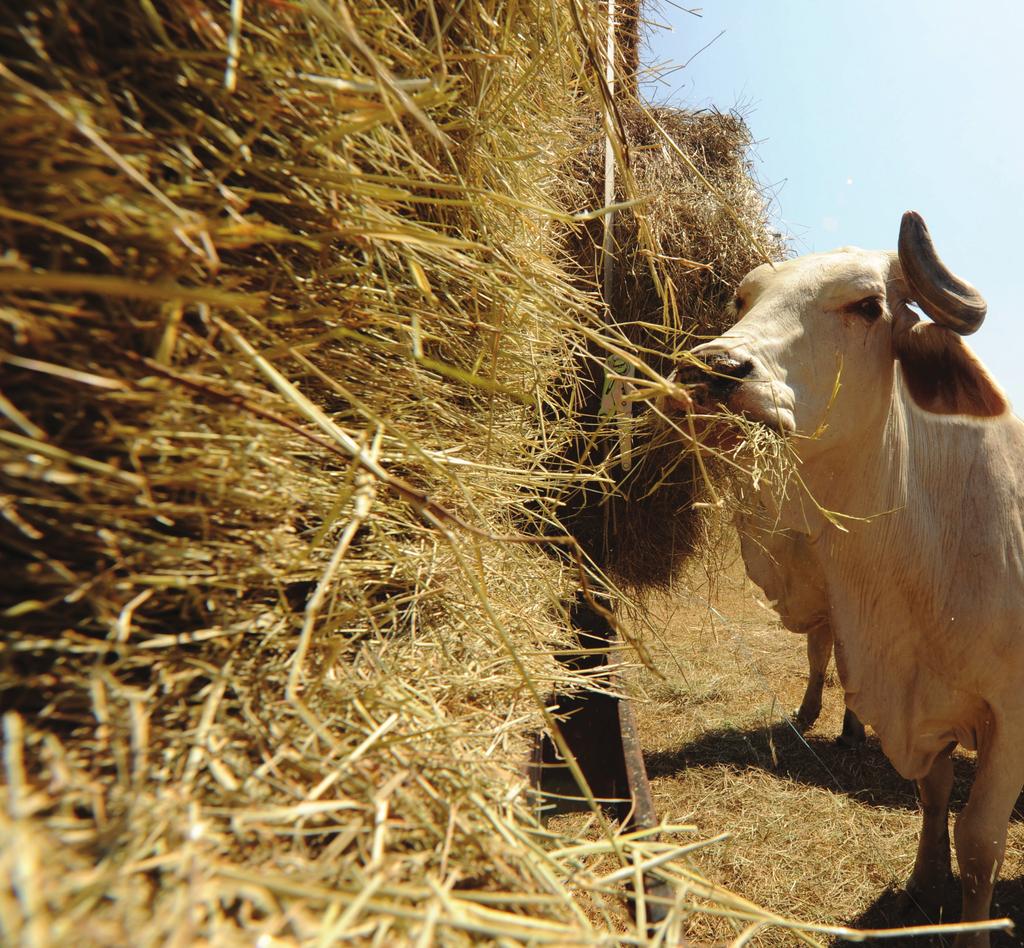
x=870, y=307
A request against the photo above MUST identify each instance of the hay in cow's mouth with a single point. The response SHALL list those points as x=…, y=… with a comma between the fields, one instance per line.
x=700, y=225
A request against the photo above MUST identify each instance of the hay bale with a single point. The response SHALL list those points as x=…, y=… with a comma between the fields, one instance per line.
x=236, y=655
x=282, y=292
x=699, y=225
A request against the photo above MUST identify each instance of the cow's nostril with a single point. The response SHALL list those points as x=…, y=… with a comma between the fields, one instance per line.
x=720, y=373
x=689, y=373
x=729, y=367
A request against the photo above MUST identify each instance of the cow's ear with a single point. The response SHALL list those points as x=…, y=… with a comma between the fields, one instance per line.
x=942, y=375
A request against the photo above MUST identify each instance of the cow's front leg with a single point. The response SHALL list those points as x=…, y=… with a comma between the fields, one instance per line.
x=981, y=833
x=932, y=871
x=819, y=651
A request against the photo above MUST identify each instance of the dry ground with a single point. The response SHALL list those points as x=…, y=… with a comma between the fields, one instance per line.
x=818, y=832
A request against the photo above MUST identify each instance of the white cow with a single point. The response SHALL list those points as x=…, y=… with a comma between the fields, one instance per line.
x=781, y=562
x=898, y=428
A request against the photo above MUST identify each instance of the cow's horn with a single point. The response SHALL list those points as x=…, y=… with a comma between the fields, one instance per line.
x=946, y=298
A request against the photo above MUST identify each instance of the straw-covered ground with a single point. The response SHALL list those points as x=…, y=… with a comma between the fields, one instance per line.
x=300, y=340
x=815, y=830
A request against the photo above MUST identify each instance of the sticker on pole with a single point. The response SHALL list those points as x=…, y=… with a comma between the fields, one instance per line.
x=617, y=372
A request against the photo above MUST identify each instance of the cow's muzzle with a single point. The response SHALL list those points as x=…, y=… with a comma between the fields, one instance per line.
x=713, y=385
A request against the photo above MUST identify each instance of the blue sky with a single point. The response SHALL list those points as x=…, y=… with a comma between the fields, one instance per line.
x=864, y=110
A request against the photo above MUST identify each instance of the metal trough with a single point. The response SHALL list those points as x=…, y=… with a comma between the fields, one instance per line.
x=600, y=729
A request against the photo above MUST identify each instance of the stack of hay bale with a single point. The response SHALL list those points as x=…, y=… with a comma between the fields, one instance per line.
x=288, y=299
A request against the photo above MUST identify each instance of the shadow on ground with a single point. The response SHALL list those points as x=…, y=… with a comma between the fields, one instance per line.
x=888, y=911
x=863, y=774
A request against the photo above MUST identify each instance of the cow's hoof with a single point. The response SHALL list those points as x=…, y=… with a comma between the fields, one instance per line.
x=853, y=735
x=914, y=904
x=803, y=719
x=850, y=741
x=924, y=898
